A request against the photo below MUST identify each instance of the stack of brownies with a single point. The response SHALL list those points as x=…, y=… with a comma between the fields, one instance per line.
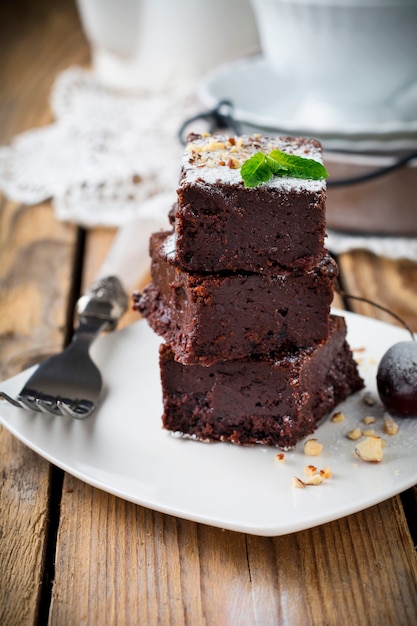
x=241, y=292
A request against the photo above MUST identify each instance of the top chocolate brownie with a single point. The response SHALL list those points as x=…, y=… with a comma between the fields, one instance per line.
x=222, y=225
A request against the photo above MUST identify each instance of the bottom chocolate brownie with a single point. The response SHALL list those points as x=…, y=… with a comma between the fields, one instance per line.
x=274, y=401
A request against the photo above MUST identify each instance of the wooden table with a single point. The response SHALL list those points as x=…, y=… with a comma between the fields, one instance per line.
x=71, y=554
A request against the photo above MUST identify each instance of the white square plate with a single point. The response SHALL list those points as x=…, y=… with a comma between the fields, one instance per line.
x=123, y=450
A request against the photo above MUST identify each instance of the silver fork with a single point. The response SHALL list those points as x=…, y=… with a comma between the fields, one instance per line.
x=70, y=383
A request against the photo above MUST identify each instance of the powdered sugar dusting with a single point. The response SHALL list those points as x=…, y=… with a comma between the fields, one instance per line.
x=218, y=158
x=170, y=246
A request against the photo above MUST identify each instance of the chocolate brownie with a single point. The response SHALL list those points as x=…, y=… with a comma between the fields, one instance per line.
x=207, y=317
x=275, y=400
x=222, y=225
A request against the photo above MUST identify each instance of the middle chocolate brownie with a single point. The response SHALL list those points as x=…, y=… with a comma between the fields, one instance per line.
x=210, y=317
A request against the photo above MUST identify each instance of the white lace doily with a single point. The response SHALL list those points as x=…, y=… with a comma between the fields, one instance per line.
x=104, y=156
x=110, y=157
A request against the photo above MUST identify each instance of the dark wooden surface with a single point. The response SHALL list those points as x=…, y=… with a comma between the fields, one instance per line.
x=71, y=554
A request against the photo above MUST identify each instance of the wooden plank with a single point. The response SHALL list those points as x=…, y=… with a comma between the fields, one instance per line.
x=390, y=283
x=32, y=325
x=116, y=563
x=121, y=563
x=39, y=39
x=36, y=256
x=129, y=565
x=358, y=570
x=24, y=488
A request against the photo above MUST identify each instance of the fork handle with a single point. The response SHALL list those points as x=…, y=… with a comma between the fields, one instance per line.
x=105, y=300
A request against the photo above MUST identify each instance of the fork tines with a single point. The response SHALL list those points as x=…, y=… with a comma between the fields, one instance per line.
x=51, y=405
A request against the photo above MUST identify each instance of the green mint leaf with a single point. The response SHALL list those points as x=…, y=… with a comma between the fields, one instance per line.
x=256, y=170
x=279, y=169
x=298, y=167
x=260, y=167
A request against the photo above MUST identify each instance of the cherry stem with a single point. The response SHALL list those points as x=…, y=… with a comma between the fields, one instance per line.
x=378, y=306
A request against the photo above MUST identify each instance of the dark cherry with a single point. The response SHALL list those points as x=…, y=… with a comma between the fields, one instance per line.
x=397, y=378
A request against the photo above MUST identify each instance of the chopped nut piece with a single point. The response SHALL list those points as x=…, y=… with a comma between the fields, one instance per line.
x=280, y=457
x=312, y=447
x=193, y=147
x=296, y=482
x=310, y=470
x=213, y=145
x=369, y=432
x=354, y=434
x=370, y=450
x=325, y=472
x=368, y=399
x=233, y=163
x=390, y=427
x=338, y=417
x=369, y=419
x=205, y=134
x=316, y=479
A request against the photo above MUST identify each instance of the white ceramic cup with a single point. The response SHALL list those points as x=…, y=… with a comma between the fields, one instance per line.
x=148, y=43
x=343, y=53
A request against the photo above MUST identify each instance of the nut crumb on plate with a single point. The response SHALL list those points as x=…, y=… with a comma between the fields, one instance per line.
x=354, y=434
x=369, y=419
x=313, y=477
x=370, y=450
x=296, y=482
x=390, y=427
x=316, y=479
x=312, y=447
x=325, y=472
x=368, y=399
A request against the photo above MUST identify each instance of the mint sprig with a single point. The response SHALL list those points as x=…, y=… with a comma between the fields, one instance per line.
x=256, y=170
x=260, y=167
